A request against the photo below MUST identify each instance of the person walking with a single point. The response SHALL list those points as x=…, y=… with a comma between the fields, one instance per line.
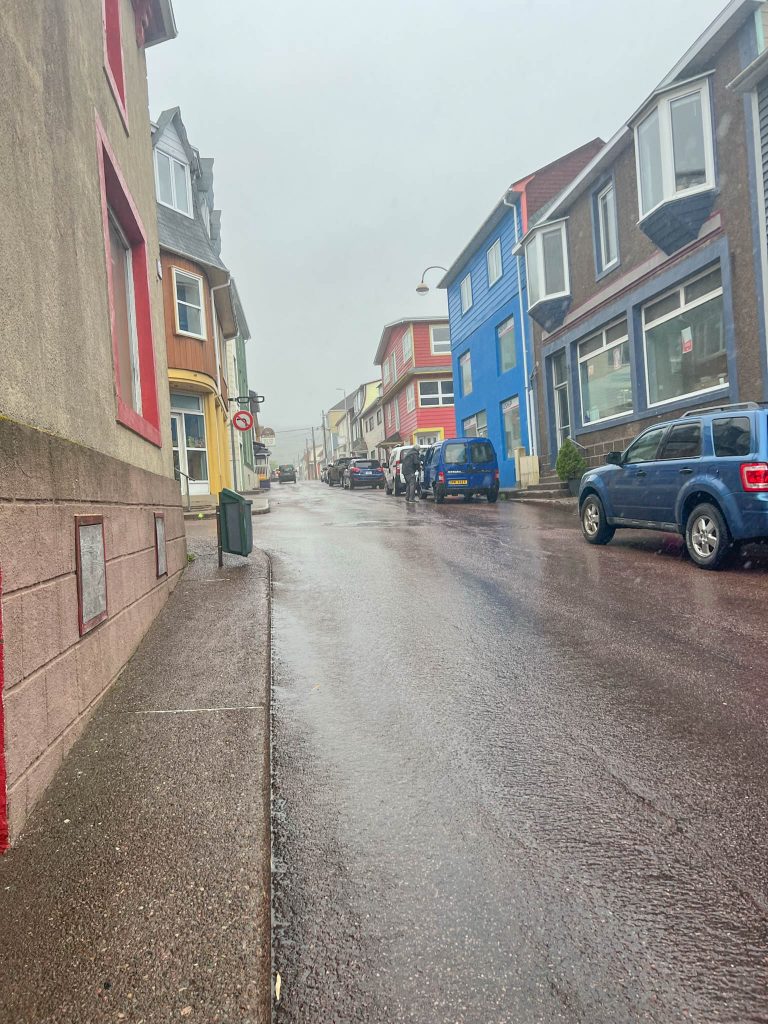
x=411, y=465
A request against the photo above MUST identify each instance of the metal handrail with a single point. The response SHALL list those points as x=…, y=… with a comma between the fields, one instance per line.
x=179, y=473
x=578, y=444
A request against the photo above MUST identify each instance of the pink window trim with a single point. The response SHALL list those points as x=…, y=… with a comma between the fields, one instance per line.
x=113, y=54
x=114, y=192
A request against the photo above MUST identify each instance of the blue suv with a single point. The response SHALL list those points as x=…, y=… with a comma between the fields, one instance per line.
x=704, y=475
x=461, y=465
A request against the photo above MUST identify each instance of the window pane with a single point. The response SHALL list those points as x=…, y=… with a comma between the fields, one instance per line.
x=189, y=319
x=428, y=387
x=446, y=387
x=649, y=158
x=455, y=454
x=606, y=385
x=617, y=331
x=181, y=401
x=687, y=353
x=732, y=436
x=197, y=465
x=645, y=448
x=194, y=430
x=608, y=236
x=506, y=341
x=591, y=345
x=164, y=187
x=466, y=293
x=466, y=374
x=123, y=314
x=482, y=424
x=709, y=283
x=441, y=340
x=662, y=308
x=180, y=181
x=683, y=442
x=481, y=452
x=559, y=369
x=688, y=142
x=188, y=290
x=554, y=270
x=174, y=432
x=512, y=435
x=469, y=427
x=493, y=259
x=532, y=270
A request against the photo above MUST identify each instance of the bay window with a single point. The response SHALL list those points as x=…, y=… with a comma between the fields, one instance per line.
x=604, y=374
x=546, y=263
x=684, y=340
x=173, y=183
x=674, y=148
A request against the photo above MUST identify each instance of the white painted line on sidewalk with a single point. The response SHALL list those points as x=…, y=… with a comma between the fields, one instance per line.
x=198, y=711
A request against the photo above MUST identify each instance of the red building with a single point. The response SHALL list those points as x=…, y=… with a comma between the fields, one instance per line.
x=417, y=381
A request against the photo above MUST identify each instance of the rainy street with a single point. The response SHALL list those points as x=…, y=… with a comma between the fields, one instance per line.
x=516, y=779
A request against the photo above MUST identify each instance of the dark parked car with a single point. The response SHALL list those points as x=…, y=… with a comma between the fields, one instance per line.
x=704, y=475
x=363, y=473
x=286, y=473
x=336, y=470
x=461, y=465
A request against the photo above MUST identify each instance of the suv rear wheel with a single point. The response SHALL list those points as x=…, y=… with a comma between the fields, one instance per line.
x=594, y=525
x=707, y=537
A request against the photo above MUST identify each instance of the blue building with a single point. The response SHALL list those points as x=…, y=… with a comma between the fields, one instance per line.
x=491, y=337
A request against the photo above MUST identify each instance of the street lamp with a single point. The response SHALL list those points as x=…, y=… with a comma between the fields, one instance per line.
x=346, y=427
x=422, y=287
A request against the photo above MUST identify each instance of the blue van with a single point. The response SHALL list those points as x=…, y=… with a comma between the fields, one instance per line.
x=461, y=465
x=703, y=475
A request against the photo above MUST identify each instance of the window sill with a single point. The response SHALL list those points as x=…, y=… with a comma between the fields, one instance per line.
x=135, y=422
x=607, y=271
x=187, y=334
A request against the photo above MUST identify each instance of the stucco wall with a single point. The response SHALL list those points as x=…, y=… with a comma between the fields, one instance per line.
x=55, y=338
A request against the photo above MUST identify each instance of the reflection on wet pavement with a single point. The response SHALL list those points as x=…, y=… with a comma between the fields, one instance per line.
x=516, y=778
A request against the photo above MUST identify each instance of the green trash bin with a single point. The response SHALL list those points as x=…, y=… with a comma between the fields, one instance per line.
x=236, y=523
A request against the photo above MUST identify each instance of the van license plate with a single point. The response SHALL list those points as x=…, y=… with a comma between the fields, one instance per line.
x=457, y=483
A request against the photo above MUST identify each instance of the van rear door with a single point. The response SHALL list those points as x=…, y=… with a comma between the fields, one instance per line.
x=482, y=463
x=456, y=462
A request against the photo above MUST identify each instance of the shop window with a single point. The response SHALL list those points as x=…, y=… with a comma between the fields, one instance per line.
x=513, y=437
x=684, y=340
x=604, y=374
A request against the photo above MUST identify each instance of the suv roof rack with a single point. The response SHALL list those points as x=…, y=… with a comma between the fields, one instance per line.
x=723, y=408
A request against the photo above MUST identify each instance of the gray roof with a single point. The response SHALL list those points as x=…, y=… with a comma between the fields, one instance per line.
x=242, y=323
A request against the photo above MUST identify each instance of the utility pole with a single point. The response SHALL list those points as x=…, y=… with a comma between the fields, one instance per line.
x=325, y=438
x=314, y=454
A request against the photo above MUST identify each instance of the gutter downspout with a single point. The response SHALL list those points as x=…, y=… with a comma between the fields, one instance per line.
x=529, y=410
x=217, y=350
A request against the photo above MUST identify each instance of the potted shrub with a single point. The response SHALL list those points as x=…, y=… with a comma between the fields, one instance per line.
x=570, y=466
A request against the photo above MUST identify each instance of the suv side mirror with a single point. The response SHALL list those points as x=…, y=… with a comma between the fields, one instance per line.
x=613, y=458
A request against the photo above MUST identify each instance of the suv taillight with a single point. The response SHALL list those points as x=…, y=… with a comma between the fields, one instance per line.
x=441, y=477
x=754, y=476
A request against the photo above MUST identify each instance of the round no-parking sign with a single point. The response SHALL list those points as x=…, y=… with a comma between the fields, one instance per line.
x=242, y=420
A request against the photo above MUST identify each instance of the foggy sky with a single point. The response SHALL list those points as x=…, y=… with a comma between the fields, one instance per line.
x=357, y=143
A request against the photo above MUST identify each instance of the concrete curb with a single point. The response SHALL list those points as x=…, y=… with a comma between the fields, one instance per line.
x=211, y=513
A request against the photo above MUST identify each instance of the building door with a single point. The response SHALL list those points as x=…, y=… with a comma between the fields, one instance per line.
x=562, y=398
x=190, y=454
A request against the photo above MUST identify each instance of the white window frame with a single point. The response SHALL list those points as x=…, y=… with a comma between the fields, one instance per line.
x=397, y=413
x=602, y=227
x=386, y=373
x=394, y=365
x=503, y=329
x=534, y=251
x=190, y=211
x=432, y=329
x=680, y=289
x=663, y=107
x=465, y=359
x=200, y=281
x=130, y=296
x=605, y=347
x=407, y=350
x=493, y=257
x=440, y=381
x=410, y=397
x=466, y=293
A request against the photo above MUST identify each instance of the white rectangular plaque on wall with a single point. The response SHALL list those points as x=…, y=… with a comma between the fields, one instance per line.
x=91, y=566
x=161, y=556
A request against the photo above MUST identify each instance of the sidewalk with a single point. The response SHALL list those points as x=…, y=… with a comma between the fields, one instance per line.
x=139, y=891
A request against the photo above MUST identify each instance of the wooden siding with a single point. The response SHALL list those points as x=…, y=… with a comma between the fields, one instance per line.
x=485, y=300
x=169, y=142
x=187, y=353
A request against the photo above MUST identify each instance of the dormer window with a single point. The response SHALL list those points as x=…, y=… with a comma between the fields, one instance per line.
x=173, y=183
x=674, y=148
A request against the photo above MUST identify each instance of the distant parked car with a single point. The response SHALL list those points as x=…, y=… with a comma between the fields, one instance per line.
x=336, y=470
x=393, y=473
x=286, y=474
x=461, y=465
x=703, y=475
x=363, y=473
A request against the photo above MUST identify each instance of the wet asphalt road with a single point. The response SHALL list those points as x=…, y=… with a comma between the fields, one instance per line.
x=515, y=778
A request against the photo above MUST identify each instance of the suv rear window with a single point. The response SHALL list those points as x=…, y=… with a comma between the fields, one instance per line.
x=732, y=435
x=455, y=454
x=481, y=451
x=288, y=469
x=367, y=463
x=683, y=442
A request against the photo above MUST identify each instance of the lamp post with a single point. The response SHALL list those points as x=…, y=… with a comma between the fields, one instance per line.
x=422, y=287
x=346, y=427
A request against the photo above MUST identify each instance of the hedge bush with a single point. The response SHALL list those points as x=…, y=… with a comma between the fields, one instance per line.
x=570, y=464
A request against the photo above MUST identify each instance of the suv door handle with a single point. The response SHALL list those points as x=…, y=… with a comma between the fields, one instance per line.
x=686, y=471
